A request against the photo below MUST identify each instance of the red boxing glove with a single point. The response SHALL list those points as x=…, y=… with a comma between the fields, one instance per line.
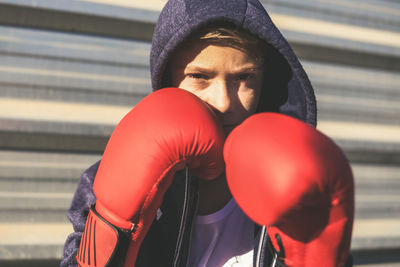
x=168, y=130
x=290, y=177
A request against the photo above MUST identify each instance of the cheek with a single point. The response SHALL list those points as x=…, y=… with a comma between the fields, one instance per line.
x=186, y=85
x=251, y=96
x=249, y=100
x=194, y=88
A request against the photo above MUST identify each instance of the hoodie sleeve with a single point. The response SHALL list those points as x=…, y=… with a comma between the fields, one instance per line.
x=77, y=214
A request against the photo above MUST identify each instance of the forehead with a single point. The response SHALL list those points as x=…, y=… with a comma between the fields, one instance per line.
x=203, y=54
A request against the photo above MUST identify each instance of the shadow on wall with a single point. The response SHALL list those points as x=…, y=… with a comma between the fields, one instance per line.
x=30, y=263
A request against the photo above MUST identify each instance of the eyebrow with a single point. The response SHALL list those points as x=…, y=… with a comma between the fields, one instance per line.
x=195, y=68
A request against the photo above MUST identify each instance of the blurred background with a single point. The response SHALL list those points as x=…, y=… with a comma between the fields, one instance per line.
x=70, y=70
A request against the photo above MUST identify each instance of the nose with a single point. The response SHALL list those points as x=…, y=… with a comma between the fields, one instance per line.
x=222, y=97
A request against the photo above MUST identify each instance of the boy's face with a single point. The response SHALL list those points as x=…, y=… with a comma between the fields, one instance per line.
x=226, y=78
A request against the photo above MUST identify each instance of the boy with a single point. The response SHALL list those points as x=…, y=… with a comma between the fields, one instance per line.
x=230, y=55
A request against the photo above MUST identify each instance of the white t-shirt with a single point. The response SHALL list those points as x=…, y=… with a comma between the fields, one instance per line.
x=224, y=238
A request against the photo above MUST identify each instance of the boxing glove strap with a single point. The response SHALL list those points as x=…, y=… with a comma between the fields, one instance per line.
x=102, y=244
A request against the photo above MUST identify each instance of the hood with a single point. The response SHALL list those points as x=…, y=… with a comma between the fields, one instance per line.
x=286, y=87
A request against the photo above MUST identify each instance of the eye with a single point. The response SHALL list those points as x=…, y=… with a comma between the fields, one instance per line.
x=245, y=76
x=197, y=76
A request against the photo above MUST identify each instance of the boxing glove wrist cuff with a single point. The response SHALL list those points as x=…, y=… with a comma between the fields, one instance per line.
x=110, y=217
x=102, y=244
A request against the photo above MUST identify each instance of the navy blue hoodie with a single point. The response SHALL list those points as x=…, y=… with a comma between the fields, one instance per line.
x=286, y=89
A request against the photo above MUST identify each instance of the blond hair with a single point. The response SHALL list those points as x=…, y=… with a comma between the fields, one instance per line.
x=235, y=38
